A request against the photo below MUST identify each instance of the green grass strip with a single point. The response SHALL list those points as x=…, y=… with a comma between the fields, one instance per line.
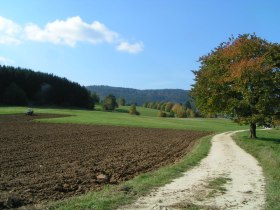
x=266, y=148
x=125, y=119
x=111, y=197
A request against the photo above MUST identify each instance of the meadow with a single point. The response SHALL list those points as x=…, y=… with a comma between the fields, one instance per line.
x=147, y=118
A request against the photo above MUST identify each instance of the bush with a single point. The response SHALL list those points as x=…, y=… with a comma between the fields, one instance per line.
x=190, y=113
x=133, y=111
x=168, y=106
x=171, y=114
x=161, y=114
x=179, y=111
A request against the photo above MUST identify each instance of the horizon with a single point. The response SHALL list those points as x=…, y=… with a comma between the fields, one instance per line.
x=137, y=88
x=142, y=45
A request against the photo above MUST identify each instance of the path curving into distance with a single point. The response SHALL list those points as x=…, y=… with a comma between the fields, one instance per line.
x=242, y=187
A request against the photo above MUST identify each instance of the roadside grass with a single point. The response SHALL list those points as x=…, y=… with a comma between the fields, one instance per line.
x=266, y=148
x=111, y=197
x=125, y=119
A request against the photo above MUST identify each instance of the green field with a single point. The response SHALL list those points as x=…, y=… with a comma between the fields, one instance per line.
x=267, y=150
x=143, y=111
x=147, y=119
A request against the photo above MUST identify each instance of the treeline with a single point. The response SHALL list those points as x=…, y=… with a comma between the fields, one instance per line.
x=138, y=97
x=20, y=86
x=170, y=109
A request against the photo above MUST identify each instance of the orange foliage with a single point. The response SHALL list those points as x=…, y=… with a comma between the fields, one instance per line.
x=247, y=65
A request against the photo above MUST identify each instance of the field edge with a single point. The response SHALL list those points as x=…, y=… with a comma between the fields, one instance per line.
x=112, y=197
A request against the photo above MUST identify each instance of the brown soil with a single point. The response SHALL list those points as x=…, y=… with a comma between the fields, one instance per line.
x=41, y=162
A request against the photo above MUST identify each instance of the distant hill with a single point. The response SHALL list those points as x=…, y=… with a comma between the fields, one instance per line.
x=141, y=96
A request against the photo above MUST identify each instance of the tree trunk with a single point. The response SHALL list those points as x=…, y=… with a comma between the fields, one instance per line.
x=253, y=132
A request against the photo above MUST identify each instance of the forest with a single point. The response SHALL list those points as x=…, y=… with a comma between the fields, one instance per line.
x=19, y=86
x=139, y=97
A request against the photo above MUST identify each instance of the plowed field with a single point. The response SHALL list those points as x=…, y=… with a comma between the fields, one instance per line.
x=41, y=162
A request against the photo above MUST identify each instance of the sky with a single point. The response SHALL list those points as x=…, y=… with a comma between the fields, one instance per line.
x=142, y=44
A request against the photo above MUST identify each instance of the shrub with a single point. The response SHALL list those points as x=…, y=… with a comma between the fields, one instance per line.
x=168, y=106
x=190, y=113
x=171, y=114
x=179, y=111
x=133, y=111
x=161, y=114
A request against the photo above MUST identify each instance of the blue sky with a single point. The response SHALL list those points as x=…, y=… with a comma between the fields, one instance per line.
x=143, y=44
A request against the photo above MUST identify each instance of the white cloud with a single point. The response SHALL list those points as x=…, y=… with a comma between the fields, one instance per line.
x=130, y=48
x=67, y=32
x=70, y=31
x=9, y=31
x=5, y=61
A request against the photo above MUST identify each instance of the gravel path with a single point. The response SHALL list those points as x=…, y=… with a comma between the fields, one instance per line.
x=243, y=185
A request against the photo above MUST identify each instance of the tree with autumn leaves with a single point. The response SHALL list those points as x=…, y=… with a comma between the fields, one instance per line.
x=240, y=79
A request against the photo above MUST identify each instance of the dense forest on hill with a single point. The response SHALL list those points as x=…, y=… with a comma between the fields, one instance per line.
x=139, y=97
x=20, y=86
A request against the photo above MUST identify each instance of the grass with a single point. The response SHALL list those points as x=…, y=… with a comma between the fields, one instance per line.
x=143, y=111
x=216, y=186
x=267, y=151
x=113, y=196
x=191, y=206
x=124, y=119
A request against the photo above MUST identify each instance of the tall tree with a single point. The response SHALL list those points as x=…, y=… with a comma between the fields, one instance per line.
x=121, y=101
x=240, y=78
x=110, y=103
x=168, y=106
x=94, y=99
x=39, y=88
x=188, y=105
x=14, y=95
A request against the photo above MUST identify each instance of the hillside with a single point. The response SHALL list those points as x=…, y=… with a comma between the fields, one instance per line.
x=141, y=96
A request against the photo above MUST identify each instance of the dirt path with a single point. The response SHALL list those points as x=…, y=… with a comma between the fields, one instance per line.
x=228, y=178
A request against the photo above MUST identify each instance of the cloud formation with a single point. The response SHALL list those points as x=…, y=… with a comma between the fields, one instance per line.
x=67, y=32
x=71, y=31
x=9, y=32
x=131, y=48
